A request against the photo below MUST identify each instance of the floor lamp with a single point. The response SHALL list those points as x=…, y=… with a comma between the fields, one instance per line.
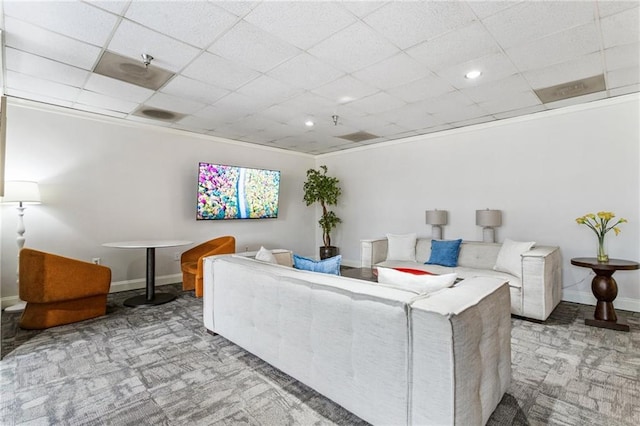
x=21, y=192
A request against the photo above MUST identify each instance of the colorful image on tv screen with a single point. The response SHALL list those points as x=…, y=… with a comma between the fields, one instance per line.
x=231, y=192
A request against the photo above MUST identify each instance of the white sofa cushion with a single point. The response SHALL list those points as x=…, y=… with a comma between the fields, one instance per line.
x=420, y=284
x=510, y=256
x=266, y=256
x=401, y=247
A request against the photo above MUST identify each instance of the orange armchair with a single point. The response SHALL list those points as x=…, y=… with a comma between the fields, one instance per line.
x=191, y=261
x=59, y=290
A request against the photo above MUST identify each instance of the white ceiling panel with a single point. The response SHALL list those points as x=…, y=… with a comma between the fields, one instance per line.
x=37, y=66
x=354, y=48
x=530, y=20
x=253, y=47
x=193, y=89
x=447, y=50
x=302, y=24
x=206, y=21
x=306, y=72
x=73, y=19
x=219, y=71
x=132, y=40
x=255, y=71
x=34, y=40
x=409, y=23
x=392, y=72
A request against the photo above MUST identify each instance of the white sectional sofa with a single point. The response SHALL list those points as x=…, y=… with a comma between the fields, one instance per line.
x=534, y=294
x=390, y=356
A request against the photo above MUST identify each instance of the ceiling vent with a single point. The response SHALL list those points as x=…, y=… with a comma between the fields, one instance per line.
x=571, y=89
x=157, y=114
x=358, y=136
x=132, y=71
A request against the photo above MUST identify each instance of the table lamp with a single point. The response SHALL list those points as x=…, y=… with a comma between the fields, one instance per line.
x=20, y=192
x=488, y=219
x=436, y=218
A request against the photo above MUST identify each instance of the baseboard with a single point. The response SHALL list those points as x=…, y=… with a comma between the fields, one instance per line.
x=587, y=298
x=116, y=287
x=126, y=285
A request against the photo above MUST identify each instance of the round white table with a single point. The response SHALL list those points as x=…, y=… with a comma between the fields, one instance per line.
x=151, y=297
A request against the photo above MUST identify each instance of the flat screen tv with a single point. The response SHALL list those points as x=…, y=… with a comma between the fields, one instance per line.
x=232, y=192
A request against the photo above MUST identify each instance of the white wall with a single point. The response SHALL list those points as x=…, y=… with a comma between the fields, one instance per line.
x=104, y=180
x=542, y=171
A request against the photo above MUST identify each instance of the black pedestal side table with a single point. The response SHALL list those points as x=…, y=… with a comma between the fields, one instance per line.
x=605, y=289
x=150, y=297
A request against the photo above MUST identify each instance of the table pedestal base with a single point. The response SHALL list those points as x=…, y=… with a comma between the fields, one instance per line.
x=158, y=299
x=620, y=324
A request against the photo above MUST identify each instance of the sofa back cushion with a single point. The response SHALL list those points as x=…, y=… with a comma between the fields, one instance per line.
x=473, y=254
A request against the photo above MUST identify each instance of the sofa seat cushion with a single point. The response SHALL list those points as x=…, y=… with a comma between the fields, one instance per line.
x=462, y=271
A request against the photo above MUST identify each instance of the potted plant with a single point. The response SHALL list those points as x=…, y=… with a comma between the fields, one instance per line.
x=325, y=190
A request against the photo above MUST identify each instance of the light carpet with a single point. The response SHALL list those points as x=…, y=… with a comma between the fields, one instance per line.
x=157, y=365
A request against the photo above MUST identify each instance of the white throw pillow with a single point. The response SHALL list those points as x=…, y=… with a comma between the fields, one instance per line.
x=510, y=256
x=420, y=284
x=401, y=247
x=266, y=256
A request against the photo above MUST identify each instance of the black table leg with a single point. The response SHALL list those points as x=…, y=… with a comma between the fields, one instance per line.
x=150, y=298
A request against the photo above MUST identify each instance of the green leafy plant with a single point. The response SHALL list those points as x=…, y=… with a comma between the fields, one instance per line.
x=325, y=190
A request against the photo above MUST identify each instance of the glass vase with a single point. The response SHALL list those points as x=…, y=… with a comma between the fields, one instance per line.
x=603, y=256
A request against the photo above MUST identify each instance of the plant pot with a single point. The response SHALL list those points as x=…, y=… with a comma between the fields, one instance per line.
x=328, y=251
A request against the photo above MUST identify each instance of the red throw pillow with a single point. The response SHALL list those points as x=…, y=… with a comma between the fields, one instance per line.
x=414, y=271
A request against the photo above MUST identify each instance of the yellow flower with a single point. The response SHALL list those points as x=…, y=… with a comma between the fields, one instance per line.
x=616, y=230
x=590, y=216
x=599, y=223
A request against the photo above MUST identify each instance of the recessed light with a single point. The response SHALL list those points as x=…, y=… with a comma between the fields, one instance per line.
x=309, y=123
x=473, y=74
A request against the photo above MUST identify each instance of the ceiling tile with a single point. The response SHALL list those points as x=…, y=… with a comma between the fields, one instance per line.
x=193, y=89
x=219, y=72
x=625, y=90
x=483, y=9
x=100, y=111
x=575, y=69
x=280, y=114
x=408, y=23
x=37, y=41
x=392, y=72
x=132, y=40
x=624, y=56
x=345, y=89
x=242, y=105
x=114, y=6
x=268, y=90
x=623, y=77
x=70, y=18
x=531, y=20
x=448, y=102
x=425, y=88
x=494, y=67
x=117, y=88
x=302, y=24
x=362, y=8
x=46, y=88
x=621, y=28
x=497, y=89
x=377, y=103
x=577, y=100
x=354, y=48
x=253, y=47
x=469, y=112
x=38, y=97
x=519, y=112
x=193, y=122
x=607, y=8
x=219, y=115
x=557, y=48
x=106, y=102
x=305, y=71
x=510, y=101
x=44, y=68
x=238, y=8
x=413, y=116
x=174, y=103
x=456, y=47
x=198, y=23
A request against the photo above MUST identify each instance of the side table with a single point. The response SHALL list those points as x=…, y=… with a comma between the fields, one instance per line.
x=151, y=297
x=605, y=289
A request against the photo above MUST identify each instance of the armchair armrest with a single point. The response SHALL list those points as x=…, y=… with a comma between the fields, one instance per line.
x=372, y=251
x=541, y=281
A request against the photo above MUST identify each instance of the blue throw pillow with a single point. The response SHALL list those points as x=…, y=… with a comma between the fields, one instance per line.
x=326, y=266
x=444, y=253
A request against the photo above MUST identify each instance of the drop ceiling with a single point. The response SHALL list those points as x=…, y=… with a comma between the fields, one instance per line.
x=257, y=71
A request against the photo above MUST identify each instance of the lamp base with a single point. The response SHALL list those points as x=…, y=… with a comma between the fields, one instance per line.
x=436, y=232
x=488, y=235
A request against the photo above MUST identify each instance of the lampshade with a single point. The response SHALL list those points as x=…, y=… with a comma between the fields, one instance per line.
x=488, y=218
x=20, y=191
x=436, y=217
